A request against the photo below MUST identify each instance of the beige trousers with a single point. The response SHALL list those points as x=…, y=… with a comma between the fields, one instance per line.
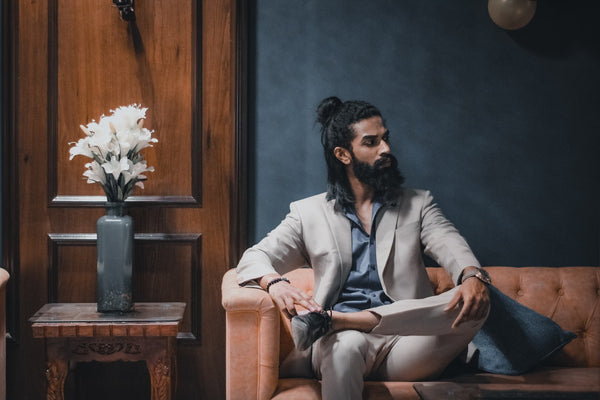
x=413, y=341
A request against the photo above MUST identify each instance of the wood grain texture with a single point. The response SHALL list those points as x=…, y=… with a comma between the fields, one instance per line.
x=71, y=62
x=99, y=63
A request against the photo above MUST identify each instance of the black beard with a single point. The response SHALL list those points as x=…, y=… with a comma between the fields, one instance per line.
x=386, y=181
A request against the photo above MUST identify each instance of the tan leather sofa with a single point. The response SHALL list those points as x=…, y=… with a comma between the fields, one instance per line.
x=258, y=336
x=3, y=282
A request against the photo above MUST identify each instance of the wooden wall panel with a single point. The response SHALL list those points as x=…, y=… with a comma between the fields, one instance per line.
x=69, y=62
x=97, y=62
x=166, y=268
x=71, y=272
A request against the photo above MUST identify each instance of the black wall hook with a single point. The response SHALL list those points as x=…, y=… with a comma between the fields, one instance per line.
x=125, y=9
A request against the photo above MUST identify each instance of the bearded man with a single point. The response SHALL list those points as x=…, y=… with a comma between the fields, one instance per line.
x=374, y=314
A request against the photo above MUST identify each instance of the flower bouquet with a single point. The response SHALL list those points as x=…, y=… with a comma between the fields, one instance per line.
x=114, y=144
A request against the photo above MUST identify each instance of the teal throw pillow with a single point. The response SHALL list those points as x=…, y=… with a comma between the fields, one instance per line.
x=514, y=338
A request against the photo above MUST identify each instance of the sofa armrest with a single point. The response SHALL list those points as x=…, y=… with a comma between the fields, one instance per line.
x=252, y=341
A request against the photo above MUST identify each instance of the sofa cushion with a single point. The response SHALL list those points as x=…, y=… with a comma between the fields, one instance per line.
x=310, y=389
x=554, y=380
x=515, y=338
x=584, y=379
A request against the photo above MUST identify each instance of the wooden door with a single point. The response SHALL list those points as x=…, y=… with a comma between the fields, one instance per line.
x=68, y=62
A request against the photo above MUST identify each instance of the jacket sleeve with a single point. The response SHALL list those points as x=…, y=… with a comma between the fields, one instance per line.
x=442, y=241
x=281, y=251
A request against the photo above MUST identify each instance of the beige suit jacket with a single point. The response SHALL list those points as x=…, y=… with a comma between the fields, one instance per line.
x=313, y=234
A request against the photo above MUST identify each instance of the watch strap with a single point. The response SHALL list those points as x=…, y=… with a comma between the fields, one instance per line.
x=479, y=273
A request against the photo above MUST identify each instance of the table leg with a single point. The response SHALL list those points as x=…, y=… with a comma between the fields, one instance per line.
x=160, y=378
x=56, y=373
x=173, y=359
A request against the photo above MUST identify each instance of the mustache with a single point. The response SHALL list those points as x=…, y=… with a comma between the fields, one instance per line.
x=384, y=159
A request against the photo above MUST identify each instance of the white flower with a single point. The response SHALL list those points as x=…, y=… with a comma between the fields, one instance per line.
x=127, y=140
x=115, y=167
x=135, y=171
x=102, y=141
x=134, y=140
x=145, y=138
x=114, y=144
x=95, y=173
x=125, y=118
x=81, y=147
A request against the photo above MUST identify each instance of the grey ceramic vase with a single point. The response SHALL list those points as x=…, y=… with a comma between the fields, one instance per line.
x=115, y=259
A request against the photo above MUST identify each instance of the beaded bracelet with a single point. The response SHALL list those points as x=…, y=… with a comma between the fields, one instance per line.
x=276, y=280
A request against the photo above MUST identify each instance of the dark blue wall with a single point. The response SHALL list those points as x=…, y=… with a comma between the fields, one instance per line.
x=502, y=126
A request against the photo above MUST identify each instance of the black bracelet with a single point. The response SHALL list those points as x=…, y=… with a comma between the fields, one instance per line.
x=276, y=280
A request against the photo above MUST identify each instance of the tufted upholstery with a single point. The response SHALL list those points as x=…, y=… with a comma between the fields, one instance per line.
x=258, y=336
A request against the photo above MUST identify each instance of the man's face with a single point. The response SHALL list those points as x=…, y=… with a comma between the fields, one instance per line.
x=370, y=144
x=371, y=160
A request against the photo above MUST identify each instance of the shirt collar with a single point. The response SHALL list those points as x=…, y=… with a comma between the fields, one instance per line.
x=350, y=213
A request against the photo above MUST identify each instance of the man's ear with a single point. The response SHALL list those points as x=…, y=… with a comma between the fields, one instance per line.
x=343, y=155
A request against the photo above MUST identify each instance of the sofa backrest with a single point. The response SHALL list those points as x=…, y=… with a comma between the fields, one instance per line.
x=568, y=295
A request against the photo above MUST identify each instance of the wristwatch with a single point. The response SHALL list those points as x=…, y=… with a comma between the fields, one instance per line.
x=480, y=274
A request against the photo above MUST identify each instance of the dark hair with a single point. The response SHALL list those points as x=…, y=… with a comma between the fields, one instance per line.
x=336, y=119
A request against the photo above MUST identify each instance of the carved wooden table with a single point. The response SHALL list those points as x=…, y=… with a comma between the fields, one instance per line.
x=76, y=332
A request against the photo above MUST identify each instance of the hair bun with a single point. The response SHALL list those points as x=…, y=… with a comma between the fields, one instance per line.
x=327, y=109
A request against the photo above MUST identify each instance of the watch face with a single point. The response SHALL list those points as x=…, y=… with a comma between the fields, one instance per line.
x=484, y=276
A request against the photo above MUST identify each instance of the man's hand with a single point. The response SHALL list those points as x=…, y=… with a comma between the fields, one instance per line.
x=473, y=295
x=287, y=296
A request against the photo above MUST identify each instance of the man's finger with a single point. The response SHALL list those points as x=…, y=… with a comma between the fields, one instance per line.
x=454, y=302
x=315, y=306
x=308, y=302
x=310, y=305
x=465, y=313
x=459, y=319
x=304, y=304
x=281, y=305
x=290, y=307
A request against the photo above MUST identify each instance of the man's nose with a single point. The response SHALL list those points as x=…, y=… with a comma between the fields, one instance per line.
x=384, y=147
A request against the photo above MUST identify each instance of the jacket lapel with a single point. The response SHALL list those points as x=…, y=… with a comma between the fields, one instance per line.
x=340, y=229
x=386, y=229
